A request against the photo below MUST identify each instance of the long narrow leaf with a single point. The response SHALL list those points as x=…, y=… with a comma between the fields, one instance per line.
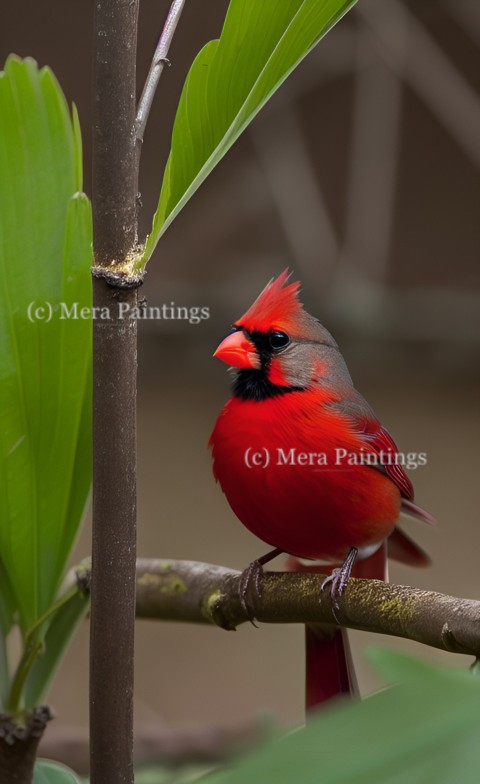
x=229, y=82
x=45, y=252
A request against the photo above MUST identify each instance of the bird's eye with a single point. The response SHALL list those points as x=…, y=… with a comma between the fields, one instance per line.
x=278, y=340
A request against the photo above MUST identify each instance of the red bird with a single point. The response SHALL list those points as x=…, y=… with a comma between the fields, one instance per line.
x=303, y=460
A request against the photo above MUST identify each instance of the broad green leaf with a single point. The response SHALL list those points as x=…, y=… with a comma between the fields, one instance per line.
x=45, y=357
x=48, y=772
x=394, y=667
x=425, y=729
x=229, y=82
x=182, y=775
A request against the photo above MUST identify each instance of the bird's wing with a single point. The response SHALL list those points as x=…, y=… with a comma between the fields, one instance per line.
x=377, y=439
x=383, y=444
x=363, y=419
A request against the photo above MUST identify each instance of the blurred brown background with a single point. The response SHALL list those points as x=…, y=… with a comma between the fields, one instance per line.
x=362, y=175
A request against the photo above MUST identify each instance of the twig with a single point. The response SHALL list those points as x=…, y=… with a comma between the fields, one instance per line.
x=156, y=68
x=195, y=592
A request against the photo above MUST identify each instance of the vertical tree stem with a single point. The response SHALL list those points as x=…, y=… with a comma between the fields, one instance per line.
x=114, y=177
x=114, y=396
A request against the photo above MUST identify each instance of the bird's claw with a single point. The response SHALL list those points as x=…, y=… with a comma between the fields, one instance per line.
x=250, y=586
x=250, y=589
x=338, y=581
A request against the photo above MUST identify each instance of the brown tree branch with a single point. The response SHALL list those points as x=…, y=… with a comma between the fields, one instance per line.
x=195, y=592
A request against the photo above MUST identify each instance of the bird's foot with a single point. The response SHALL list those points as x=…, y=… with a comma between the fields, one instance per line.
x=338, y=581
x=250, y=585
x=250, y=588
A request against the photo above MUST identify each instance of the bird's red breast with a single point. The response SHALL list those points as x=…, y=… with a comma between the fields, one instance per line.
x=281, y=463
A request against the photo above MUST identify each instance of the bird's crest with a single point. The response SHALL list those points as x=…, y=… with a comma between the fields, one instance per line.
x=277, y=307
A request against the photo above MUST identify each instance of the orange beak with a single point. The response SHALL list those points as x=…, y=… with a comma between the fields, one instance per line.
x=236, y=350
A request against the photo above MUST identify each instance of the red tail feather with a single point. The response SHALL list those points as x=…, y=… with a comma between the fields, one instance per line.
x=329, y=670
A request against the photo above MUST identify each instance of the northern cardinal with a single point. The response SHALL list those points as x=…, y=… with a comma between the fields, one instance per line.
x=302, y=459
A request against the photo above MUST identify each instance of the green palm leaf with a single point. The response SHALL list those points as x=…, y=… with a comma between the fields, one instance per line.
x=45, y=365
x=229, y=82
